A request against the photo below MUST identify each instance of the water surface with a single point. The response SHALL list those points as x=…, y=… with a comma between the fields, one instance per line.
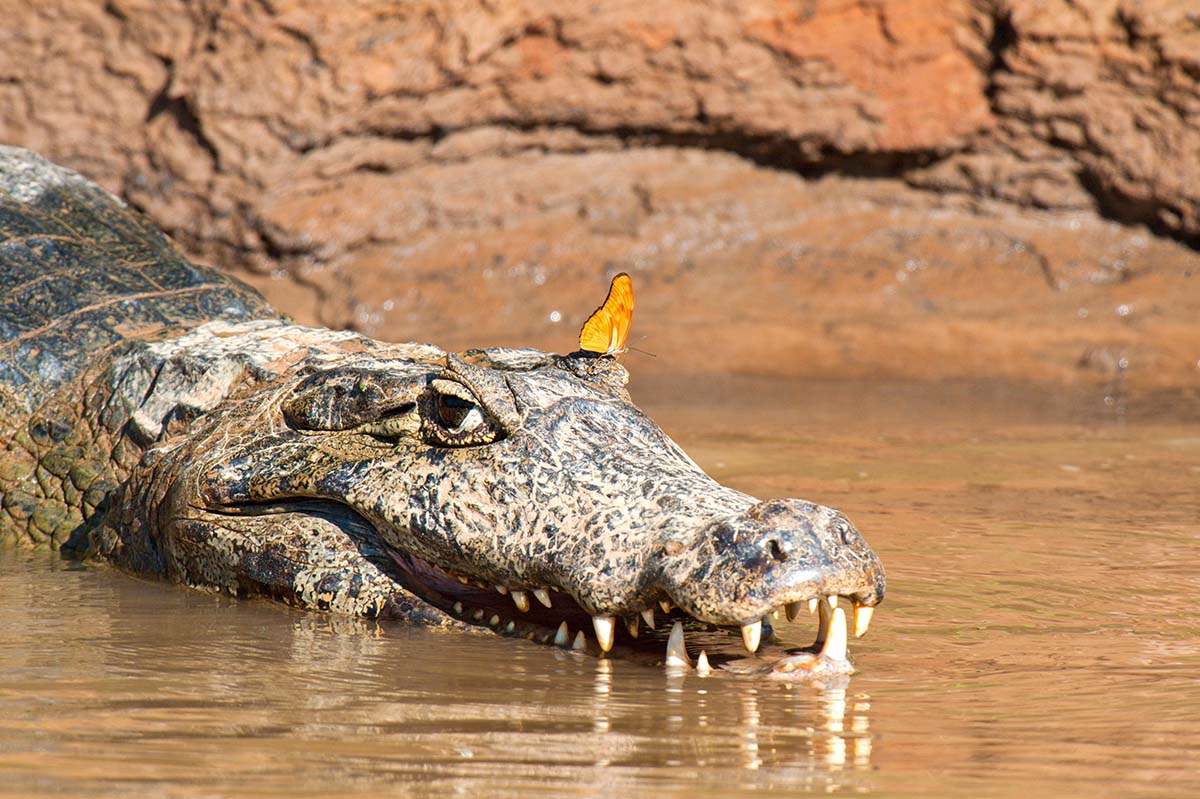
x=1039, y=638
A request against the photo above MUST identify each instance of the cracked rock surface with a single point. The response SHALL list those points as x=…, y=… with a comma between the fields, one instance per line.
x=849, y=188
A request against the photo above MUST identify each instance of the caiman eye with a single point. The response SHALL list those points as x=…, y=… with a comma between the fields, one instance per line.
x=457, y=415
x=454, y=418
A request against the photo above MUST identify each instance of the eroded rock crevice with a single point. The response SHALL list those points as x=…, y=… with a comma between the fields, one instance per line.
x=184, y=117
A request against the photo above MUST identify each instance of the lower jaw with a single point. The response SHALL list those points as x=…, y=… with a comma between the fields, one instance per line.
x=677, y=641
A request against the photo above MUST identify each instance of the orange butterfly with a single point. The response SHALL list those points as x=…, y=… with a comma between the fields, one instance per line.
x=607, y=329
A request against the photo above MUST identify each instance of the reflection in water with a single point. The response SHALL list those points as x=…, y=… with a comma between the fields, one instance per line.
x=857, y=739
x=834, y=704
x=115, y=685
x=230, y=692
x=601, y=724
x=861, y=739
x=750, y=722
x=1035, y=641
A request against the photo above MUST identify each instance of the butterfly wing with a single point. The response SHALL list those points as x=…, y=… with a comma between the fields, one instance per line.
x=607, y=329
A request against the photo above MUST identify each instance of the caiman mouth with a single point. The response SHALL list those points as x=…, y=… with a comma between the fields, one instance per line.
x=663, y=634
x=660, y=634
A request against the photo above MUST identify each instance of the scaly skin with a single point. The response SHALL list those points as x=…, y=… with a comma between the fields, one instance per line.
x=190, y=434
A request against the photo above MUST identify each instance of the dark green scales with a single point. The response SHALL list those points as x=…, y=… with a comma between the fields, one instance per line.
x=81, y=276
x=159, y=416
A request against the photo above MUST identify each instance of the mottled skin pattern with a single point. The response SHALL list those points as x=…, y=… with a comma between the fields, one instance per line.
x=160, y=416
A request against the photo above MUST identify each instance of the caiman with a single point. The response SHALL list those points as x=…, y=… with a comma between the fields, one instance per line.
x=160, y=416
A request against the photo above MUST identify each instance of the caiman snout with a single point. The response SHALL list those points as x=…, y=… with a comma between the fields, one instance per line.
x=772, y=555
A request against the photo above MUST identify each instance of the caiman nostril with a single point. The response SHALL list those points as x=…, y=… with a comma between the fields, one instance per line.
x=776, y=549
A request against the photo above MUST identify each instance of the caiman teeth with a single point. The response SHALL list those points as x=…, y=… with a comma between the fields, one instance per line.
x=702, y=667
x=604, y=631
x=542, y=596
x=676, y=653
x=648, y=617
x=580, y=641
x=521, y=600
x=835, y=641
x=752, y=635
x=812, y=605
x=501, y=590
x=862, y=619
x=563, y=636
x=665, y=604
x=832, y=600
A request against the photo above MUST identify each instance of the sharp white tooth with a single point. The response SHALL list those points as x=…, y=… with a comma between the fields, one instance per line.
x=563, y=636
x=494, y=620
x=665, y=604
x=812, y=605
x=604, y=631
x=823, y=616
x=478, y=614
x=752, y=634
x=458, y=608
x=502, y=590
x=835, y=640
x=580, y=641
x=508, y=628
x=521, y=600
x=631, y=624
x=793, y=610
x=463, y=580
x=676, y=652
x=775, y=614
x=702, y=667
x=862, y=619
x=542, y=596
x=648, y=617
x=832, y=600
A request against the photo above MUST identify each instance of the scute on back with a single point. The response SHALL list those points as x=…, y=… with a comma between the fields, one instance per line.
x=80, y=274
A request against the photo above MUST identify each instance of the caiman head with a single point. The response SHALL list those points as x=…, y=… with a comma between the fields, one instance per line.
x=512, y=490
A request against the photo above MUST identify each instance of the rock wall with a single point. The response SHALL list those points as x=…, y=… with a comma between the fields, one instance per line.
x=928, y=188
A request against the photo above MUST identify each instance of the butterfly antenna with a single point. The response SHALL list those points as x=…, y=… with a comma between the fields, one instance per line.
x=643, y=352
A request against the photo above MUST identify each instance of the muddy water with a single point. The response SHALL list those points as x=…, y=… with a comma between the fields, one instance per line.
x=1040, y=636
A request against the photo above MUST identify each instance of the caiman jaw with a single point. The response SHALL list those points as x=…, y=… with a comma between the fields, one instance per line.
x=547, y=615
